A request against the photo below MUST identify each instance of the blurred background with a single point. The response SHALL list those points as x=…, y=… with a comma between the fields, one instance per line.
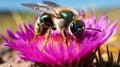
x=12, y=13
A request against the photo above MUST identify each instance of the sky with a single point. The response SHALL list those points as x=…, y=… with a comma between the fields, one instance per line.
x=6, y=5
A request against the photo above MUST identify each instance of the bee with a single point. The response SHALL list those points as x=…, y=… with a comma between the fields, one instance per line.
x=58, y=18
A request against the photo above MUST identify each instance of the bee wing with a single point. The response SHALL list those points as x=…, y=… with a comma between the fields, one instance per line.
x=42, y=7
x=52, y=4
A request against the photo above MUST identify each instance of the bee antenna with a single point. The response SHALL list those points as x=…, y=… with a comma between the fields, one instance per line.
x=94, y=29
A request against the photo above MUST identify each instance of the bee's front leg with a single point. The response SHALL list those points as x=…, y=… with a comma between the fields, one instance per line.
x=64, y=34
x=47, y=35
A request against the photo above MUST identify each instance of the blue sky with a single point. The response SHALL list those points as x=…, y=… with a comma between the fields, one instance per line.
x=77, y=4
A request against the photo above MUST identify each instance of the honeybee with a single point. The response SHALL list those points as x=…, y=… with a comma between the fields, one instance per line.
x=58, y=18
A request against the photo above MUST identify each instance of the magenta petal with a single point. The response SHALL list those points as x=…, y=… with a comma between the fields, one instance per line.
x=72, y=53
x=11, y=34
x=62, y=51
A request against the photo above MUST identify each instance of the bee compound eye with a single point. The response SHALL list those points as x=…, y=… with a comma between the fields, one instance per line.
x=77, y=27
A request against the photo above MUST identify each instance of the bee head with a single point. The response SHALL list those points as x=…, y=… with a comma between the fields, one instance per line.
x=77, y=27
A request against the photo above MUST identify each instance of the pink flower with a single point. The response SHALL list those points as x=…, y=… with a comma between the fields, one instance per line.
x=56, y=53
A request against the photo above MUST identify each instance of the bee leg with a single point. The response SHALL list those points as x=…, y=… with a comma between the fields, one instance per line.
x=47, y=36
x=37, y=33
x=64, y=34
